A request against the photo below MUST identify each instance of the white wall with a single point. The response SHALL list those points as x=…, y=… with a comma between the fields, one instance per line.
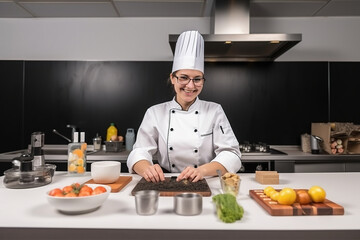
x=146, y=39
x=323, y=38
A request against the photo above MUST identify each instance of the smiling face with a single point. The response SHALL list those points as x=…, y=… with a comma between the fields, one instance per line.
x=186, y=93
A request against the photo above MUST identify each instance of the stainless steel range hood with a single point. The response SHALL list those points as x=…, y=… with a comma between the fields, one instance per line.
x=230, y=38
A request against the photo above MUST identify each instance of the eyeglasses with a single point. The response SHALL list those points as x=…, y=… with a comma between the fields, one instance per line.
x=184, y=80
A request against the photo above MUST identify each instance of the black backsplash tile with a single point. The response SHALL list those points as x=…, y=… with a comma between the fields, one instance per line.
x=272, y=102
x=345, y=92
x=11, y=102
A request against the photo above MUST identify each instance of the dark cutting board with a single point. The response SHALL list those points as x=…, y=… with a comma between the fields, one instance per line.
x=170, y=187
x=275, y=209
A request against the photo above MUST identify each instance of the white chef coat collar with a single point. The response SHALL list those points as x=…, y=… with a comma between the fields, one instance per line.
x=193, y=106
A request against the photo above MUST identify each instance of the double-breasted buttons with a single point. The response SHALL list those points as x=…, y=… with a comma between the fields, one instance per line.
x=195, y=150
x=195, y=166
x=196, y=112
x=173, y=165
x=171, y=148
x=171, y=129
x=195, y=130
x=173, y=111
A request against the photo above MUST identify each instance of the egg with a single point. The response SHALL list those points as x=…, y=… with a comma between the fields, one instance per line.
x=114, y=138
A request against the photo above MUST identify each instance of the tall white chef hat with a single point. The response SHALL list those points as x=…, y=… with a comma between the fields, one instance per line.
x=189, y=52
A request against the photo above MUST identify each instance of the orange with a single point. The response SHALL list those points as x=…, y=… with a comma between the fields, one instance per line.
x=80, y=169
x=317, y=194
x=83, y=147
x=78, y=152
x=287, y=196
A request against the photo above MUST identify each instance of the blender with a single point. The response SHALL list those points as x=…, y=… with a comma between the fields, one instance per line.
x=37, y=143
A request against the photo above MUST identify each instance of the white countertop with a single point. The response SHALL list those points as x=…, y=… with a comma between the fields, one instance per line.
x=29, y=209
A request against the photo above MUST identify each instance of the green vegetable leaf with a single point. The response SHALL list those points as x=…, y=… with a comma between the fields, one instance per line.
x=227, y=208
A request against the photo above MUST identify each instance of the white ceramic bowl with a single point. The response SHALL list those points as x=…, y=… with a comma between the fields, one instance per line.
x=76, y=205
x=105, y=171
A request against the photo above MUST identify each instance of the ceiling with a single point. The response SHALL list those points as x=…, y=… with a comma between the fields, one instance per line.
x=171, y=8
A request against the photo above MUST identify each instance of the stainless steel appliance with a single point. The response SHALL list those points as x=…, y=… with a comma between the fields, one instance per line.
x=230, y=38
x=257, y=149
x=37, y=143
x=315, y=144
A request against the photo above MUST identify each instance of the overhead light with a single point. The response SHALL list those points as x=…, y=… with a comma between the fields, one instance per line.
x=275, y=41
x=227, y=42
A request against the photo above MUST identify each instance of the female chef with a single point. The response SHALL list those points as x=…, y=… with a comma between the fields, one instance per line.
x=186, y=135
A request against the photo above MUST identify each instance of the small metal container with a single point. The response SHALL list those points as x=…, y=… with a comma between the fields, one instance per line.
x=146, y=202
x=188, y=204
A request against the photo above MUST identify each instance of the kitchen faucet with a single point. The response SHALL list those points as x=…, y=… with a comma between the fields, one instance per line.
x=73, y=127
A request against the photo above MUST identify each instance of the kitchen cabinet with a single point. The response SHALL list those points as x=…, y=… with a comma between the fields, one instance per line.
x=314, y=166
x=319, y=167
x=32, y=217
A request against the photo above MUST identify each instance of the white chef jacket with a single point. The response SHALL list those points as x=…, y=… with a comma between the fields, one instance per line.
x=179, y=138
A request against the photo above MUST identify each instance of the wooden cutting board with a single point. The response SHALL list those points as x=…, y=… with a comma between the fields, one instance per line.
x=170, y=187
x=275, y=209
x=116, y=186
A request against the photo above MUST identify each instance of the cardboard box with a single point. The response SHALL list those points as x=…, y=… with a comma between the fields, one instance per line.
x=267, y=177
x=327, y=132
x=353, y=145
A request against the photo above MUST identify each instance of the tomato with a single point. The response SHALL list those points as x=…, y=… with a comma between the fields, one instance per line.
x=71, y=194
x=55, y=191
x=67, y=189
x=59, y=195
x=317, y=194
x=86, y=188
x=303, y=197
x=84, y=194
x=287, y=196
x=99, y=190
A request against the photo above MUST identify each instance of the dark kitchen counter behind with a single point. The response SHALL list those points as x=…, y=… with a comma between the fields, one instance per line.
x=294, y=160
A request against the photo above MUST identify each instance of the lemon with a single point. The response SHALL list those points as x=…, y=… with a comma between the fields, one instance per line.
x=274, y=195
x=287, y=196
x=267, y=190
x=80, y=162
x=72, y=167
x=317, y=194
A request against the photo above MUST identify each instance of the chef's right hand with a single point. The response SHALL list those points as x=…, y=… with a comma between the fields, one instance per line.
x=153, y=173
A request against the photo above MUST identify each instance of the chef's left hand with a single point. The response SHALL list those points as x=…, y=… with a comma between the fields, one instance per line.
x=191, y=173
